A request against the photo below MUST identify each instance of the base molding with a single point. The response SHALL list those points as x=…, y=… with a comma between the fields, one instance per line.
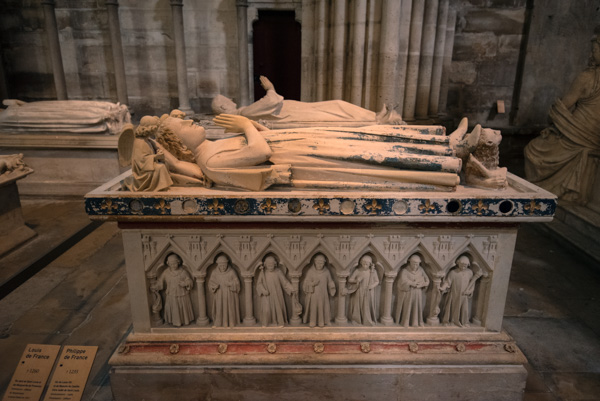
x=338, y=382
x=432, y=366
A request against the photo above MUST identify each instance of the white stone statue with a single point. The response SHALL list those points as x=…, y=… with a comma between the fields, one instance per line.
x=381, y=157
x=460, y=284
x=177, y=284
x=149, y=172
x=558, y=160
x=377, y=157
x=225, y=286
x=270, y=286
x=291, y=113
x=318, y=286
x=361, y=286
x=64, y=116
x=412, y=283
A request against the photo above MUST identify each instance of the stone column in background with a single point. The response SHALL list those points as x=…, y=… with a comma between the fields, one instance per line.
x=426, y=59
x=242, y=27
x=112, y=8
x=358, y=51
x=438, y=59
x=446, y=65
x=338, y=51
x=388, y=52
x=414, y=57
x=182, y=83
x=54, y=44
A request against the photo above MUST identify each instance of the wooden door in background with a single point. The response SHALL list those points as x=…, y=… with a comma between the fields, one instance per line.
x=277, y=51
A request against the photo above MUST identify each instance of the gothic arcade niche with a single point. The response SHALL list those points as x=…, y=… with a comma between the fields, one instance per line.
x=305, y=280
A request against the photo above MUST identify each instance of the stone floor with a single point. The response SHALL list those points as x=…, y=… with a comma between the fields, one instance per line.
x=78, y=295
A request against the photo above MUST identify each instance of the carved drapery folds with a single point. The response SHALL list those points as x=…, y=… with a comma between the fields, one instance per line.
x=318, y=280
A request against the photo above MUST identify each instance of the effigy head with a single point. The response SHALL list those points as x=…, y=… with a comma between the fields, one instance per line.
x=223, y=104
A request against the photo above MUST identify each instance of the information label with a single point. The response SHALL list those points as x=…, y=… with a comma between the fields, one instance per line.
x=32, y=373
x=71, y=373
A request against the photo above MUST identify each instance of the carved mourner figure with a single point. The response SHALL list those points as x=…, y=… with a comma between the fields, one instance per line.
x=176, y=283
x=558, y=160
x=272, y=107
x=318, y=286
x=225, y=286
x=409, y=299
x=461, y=283
x=361, y=287
x=270, y=286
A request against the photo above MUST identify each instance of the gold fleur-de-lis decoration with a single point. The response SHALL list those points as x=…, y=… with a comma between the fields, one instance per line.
x=531, y=207
x=268, y=206
x=427, y=207
x=373, y=207
x=162, y=206
x=480, y=207
x=109, y=206
x=322, y=206
x=215, y=206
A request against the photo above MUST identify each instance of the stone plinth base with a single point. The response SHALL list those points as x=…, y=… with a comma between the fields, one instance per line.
x=421, y=366
x=280, y=383
x=13, y=231
x=65, y=165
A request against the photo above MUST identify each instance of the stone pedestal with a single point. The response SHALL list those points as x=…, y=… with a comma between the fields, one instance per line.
x=13, y=231
x=366, y=350
x=65, y=164
x=298, y=366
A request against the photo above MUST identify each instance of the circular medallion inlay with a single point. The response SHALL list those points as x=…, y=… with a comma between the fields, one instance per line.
x=294, y=205
x=347, y=207
x=400, y=207
x=241, y=206
x=136, y=206
x=190, y=206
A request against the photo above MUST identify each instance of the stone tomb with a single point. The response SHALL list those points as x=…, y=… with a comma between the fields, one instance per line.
x=13, y=231
x=327, y=294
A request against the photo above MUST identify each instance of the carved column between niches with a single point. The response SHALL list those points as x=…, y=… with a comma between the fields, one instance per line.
x=386, y=318
x=249, y=318
x=341, y=304
x=202, y=319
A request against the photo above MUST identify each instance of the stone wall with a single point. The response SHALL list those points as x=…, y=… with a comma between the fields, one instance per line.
x=486, y=54
x=485, y=66
x=148, y=47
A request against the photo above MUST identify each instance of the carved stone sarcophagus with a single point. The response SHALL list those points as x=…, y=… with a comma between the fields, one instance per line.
x=322, y=287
